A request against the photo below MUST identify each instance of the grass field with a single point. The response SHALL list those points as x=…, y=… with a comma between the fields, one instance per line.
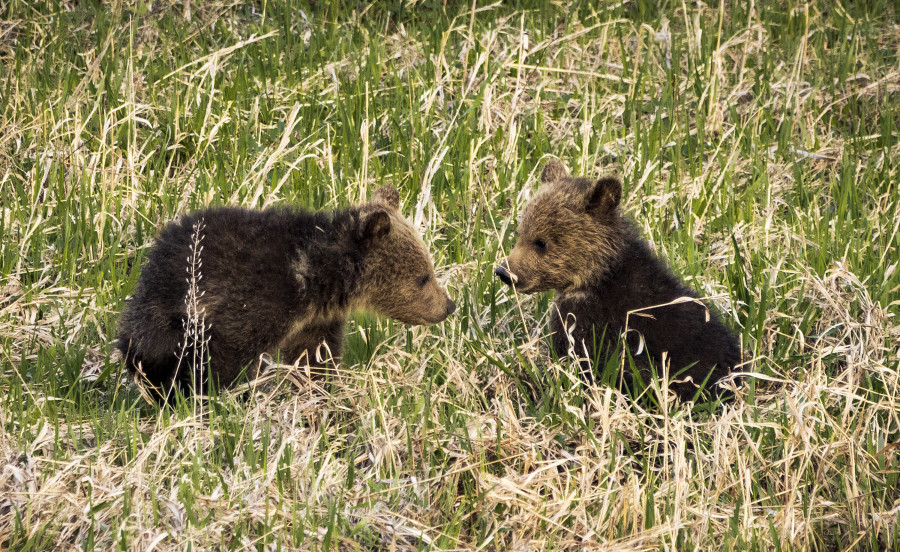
x=759, y=145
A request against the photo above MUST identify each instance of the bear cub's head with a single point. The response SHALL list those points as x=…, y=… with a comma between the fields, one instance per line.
x=569, y=234
x=398, y=277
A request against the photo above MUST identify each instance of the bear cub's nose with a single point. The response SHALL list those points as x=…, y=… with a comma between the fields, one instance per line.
x=504, y=275
x=451, y=307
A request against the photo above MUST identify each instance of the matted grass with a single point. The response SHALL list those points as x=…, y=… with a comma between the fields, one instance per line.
x=759, y=150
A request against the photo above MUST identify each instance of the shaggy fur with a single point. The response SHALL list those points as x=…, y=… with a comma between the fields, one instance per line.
x=276, y=281
x=574, y=239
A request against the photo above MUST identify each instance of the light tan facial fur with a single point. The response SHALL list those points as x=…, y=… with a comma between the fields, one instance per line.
x=399, y=279
x=568, y=232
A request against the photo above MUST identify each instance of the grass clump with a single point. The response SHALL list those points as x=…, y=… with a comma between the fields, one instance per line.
x=758, y=144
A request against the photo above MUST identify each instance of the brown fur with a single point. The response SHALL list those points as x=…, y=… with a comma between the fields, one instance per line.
x=574, y=239
x=278, y=281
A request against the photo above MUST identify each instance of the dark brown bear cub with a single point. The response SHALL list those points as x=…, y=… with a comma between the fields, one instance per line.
x=272, y=281
x=574, y=239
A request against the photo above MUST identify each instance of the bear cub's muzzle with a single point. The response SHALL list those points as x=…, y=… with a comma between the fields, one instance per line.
x=505, y=275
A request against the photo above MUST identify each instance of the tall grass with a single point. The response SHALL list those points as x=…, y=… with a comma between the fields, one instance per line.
x=758, y=143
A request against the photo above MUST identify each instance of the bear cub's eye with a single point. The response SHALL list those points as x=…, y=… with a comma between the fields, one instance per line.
x=423, y=279
x=540, y=245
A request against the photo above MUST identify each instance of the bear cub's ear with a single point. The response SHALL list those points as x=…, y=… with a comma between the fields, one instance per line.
x=604, y=195
x=554, y=170
x=374, y=225
x=387, y=195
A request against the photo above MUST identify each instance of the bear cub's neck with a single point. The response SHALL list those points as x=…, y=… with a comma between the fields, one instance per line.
x=327, y=262
x=631, y=275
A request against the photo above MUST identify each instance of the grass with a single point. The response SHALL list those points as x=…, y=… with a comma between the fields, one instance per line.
x=759, y=150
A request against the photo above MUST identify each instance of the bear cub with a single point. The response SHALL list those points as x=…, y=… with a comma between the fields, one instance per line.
x=272, y=281
x=574, y=239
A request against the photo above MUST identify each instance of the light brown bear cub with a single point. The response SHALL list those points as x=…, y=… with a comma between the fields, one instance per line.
x=273, y=281
x=573, y=238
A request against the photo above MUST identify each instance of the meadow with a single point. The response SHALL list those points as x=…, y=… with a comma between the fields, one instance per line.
x=759, y=146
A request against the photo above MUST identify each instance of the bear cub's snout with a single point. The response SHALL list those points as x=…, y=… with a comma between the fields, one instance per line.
x=503, y=273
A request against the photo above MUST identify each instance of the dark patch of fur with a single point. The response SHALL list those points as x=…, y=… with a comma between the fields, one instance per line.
x=638, y=280
x=251, y=293
x=602, y=269
x=278, y=280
